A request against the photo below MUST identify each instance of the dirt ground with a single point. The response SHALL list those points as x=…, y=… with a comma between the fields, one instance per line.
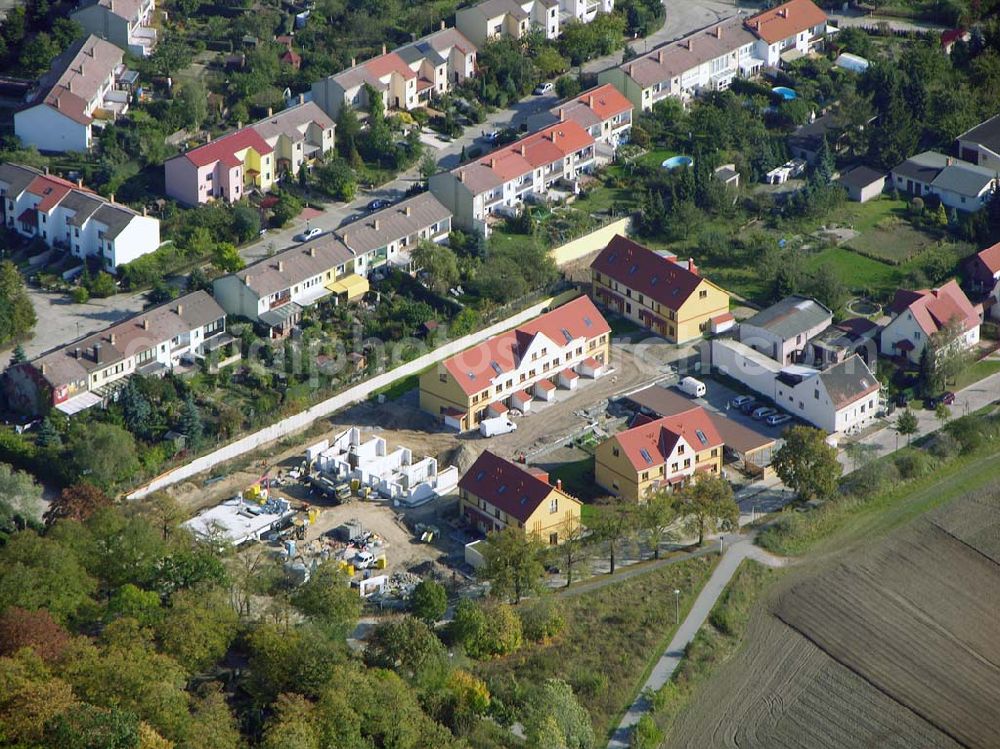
x=402, y=423
x=892, y=644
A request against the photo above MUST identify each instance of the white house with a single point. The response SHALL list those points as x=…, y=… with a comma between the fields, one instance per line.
x=918, y=315
x=528, y=168
x=493, y=19
x=956, y=183
x=67, y=216
x=85, y=372
x=981, y=144
x=81, y=87
x=604, y=112
x=788, y=31
x=125, y=23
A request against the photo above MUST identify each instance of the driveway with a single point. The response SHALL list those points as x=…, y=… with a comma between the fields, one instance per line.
x=61, y=321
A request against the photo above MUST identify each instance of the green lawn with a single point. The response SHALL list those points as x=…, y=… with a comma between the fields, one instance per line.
x=612, y=637
x=578, y=480
x=857, y=272
x=976, y=372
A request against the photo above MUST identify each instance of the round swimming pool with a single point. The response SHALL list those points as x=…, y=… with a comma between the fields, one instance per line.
x=788, y=94
x=675, y=161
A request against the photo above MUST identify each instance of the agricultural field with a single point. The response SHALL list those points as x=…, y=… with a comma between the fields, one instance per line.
x=892, y=644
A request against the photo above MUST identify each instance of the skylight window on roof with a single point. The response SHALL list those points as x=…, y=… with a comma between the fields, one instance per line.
x=701, y=436
x=496, y=367
x=567, y=335
x=502, y=488
x=588, y=322
x=472, y=375
x=653, y=280
x=613, y=257
x=646, y=456
x=633, y=269
x=480, y=475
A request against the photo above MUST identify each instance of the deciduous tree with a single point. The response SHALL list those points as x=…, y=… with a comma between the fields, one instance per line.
x=906, y=424
x=328, y=599
x=429, y=601
x=77, y=502
x=807, y=464
x=708, y=505
x=198, y=627
x=513, y=563
x=440, y=263
x=615, y=526
x=405, y=645
x=20, y=498
x=658, y=518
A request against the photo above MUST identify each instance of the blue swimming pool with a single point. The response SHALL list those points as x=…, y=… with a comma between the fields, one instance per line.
x=788, y=94
x=675, y=161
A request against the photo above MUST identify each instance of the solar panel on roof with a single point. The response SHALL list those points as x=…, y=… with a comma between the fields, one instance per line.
x=701, y=436
x=646, y=456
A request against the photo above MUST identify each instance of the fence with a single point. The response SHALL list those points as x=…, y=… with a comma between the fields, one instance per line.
x=353, y=395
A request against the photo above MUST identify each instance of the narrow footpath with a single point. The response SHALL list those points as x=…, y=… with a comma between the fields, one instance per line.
x=696, y=617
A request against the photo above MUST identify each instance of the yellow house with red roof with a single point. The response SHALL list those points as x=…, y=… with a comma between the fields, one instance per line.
x=505, y=369
x=657, y=291
x=495, y=494
x=657, y=454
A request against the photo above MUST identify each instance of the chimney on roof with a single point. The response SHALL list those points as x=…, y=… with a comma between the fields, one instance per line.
x=660, y=55
x=145, y=323
x=383, y=49
x=69, y=85
x=522, y=149
x=783, y=12
x=180, y=310
x=46, y=171
x=145, y=211
x=691, y=266
x=493, y=163
x=42, y=368
x=559, y=484
x=590, y=101
x=562, y=115
x=302, y=98
x=407, y=210
x=270, y=111
x=690, y=44
x=949, y=161
x=112, y=338
x=239, y=126
x=76, y=352
x=377, y=224
x=281, y=266
x=111, y=198
x=718, y=32
x=461, y=176
x=97, y=352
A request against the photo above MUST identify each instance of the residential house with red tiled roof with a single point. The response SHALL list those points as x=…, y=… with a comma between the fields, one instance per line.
x=658, y=454
x=604, y=112
x=919, y=315
x=400, y=85
x=253, y=157
x=460, y=389
x=788, y=31
x=128, y=24
x=495, y=494
x=656, y=290
x=983, y=268
x=67, y=216
x=502, y=180
x=81, y=87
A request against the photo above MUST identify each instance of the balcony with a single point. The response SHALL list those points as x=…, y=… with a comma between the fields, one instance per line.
x=142, y=40
x=282, y=299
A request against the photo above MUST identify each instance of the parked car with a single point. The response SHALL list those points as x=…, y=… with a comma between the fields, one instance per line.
x=749, y=406
x=544, y=88
x=378, y=204
x=691, y=386
x=363, y=560
x=763, y=412
x=775, y=419
x=740, y=400
x=948, y=398
x=308, y=234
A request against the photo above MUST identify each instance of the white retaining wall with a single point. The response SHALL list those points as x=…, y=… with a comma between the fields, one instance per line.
x=353, y=395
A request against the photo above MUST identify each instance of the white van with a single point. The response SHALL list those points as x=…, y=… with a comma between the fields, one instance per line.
x=691, y=386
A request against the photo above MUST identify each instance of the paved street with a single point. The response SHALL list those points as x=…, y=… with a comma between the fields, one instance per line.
x=735, y=553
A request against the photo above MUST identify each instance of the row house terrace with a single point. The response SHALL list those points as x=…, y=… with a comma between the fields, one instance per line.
x=86, y=372
x=788, y=31
x=128, y=24
x=509, y=19
x=604, y=112
x=87, y=85
x=69, y=217
x=527, y=169
x=506, y=370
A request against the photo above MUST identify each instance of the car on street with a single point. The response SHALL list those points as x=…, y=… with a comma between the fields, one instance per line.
x=740, y=400
x=544, y=88
x=749, y=406
x=948, y=398
x=775, y=419
x=763, y=412
x=378, y=204
x=308, y=234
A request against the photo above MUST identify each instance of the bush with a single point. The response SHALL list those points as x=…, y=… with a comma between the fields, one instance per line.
x=646, y=734
x=79, y=294
x=487, y=633
x=103, y=286
x=943, y=446
x=871, y=479
x=541, y=618
x=912, y=463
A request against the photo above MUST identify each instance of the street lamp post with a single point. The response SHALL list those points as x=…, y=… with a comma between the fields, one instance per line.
x=677, y=606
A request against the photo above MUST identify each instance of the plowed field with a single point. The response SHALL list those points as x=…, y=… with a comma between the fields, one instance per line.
x=893, y=645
